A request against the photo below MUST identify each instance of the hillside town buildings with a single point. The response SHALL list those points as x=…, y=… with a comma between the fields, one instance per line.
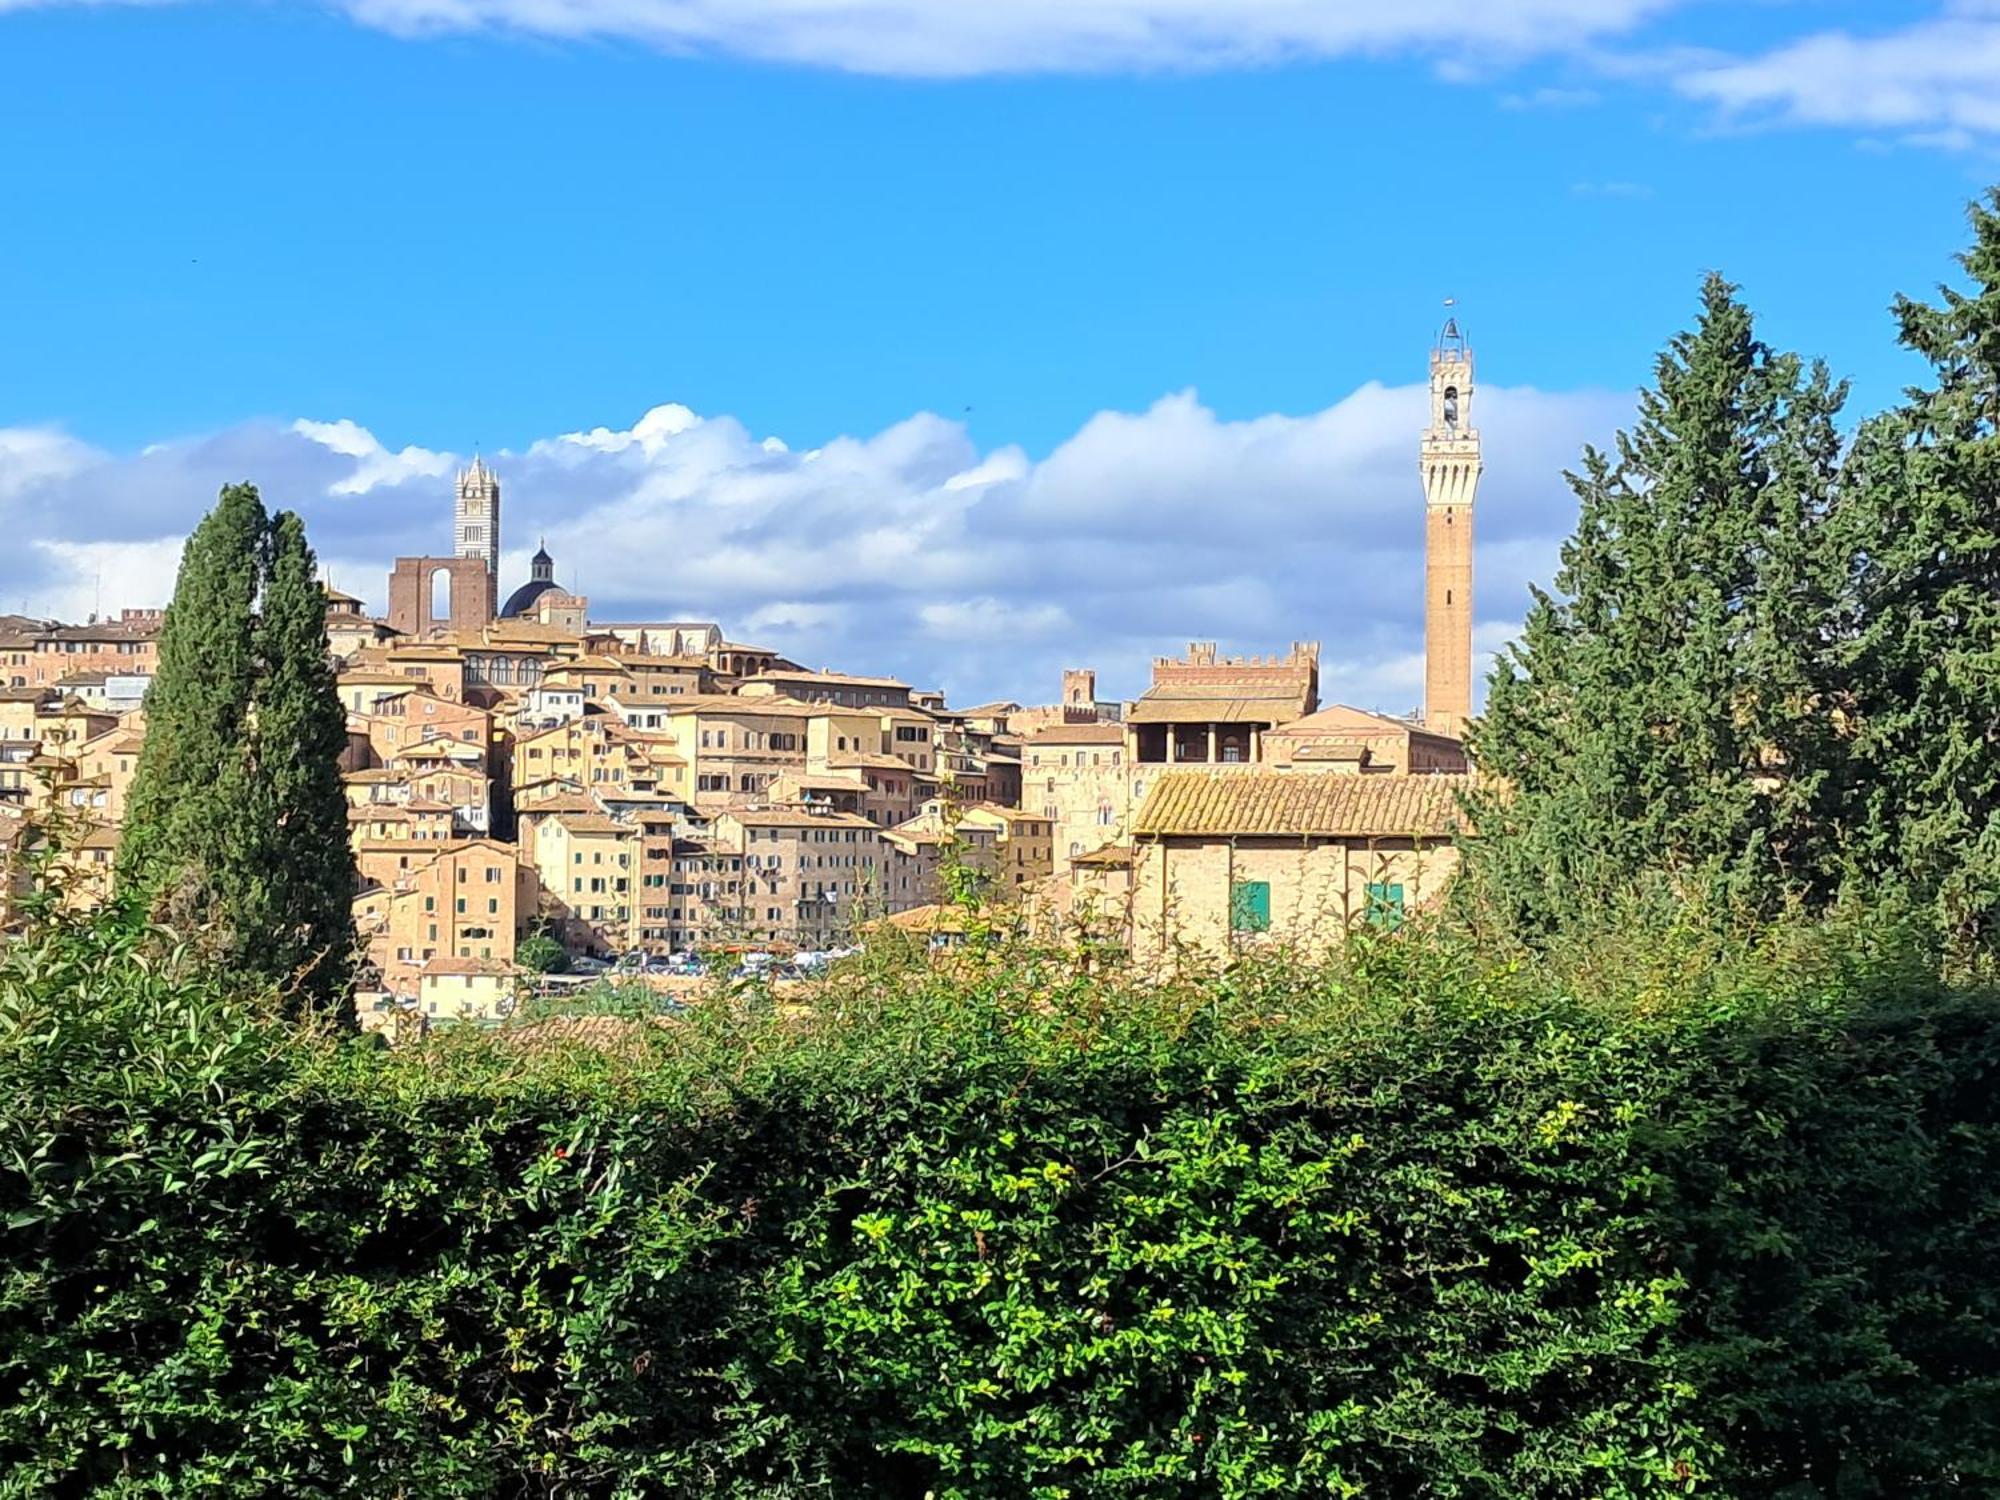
x=515, y=768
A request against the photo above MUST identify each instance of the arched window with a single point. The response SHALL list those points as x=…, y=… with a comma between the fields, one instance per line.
x=441, y=594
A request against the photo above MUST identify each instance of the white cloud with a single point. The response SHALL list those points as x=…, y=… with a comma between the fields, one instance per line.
x=375, y=465
x=989, y=619
x=794, y=617
x=1936, y=81
x=911, y=552
x=649, y=434
x=30, y=456
x=962, y=38
x=86, y=578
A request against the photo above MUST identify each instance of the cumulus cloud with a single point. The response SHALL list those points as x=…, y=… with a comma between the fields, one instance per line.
x=912, y=551
x=1935, y=82
x=958, y=38
x=950, y=38
x=375, y=465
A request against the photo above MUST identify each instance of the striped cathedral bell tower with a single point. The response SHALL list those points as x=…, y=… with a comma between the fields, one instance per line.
x=1451, y=464
x=476, y=519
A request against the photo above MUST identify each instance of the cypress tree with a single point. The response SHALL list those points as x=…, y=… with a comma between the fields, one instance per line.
x=185, y=838
x=1663, y=713
x=236, y=827
x=300, y=731
x=1924, y=530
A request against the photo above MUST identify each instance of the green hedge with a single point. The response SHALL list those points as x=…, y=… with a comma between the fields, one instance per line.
x=1413, y=1225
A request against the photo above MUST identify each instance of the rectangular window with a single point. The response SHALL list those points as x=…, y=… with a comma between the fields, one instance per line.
x=1385, y=903
x=1250, y=906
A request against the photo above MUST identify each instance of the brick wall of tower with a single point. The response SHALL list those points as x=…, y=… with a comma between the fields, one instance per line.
x=1447, y=618
x=410, y=585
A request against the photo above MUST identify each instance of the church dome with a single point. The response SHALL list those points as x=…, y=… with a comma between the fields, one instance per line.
x=541, y=579
x=522, y=600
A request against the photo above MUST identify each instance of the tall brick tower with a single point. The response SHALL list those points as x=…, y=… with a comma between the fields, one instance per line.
x=1451, y=466
x=476, y=521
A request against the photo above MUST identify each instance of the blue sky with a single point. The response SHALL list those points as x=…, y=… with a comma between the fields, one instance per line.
x=452, y=222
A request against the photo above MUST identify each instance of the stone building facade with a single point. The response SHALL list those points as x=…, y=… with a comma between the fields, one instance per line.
x=1225, y=861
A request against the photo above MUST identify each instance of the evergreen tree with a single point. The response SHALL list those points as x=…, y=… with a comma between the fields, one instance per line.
x=300, y=730
x=236, y=827
x=1663, y=713
x=184, y=839
x=1925, y=658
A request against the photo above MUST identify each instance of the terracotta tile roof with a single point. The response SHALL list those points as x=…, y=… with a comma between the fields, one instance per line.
x=1108, y=857
x=1220, y=803
x=1006, y=814
x=835, y=679
x=1229, y=705
x=573, y=803
x=452, y=965
x=593, y=823
x=379, y=679
x=729, y=703
x=791, y=817
x=1359, y=754
x=587, y=664
x=868, y=759
x=1078, y=734
x=642, y=662
x=439, y=750
x=821, y=781
x=1340, y=718
x=110, y=630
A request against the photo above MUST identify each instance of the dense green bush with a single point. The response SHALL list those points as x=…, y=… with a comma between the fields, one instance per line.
x=1669, y=1220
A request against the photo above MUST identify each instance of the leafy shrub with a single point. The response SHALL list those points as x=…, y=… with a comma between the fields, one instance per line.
x=1408, y=1224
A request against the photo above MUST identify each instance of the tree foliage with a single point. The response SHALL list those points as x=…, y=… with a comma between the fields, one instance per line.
x=185, y=836
x=301, y=731
x=1665, y=710
x=1923, y=660
x=237, y=822
x=1413, y=1225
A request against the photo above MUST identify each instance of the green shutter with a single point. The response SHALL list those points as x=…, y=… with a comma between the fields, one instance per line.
x=1385, y=903
x=1250, y=906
